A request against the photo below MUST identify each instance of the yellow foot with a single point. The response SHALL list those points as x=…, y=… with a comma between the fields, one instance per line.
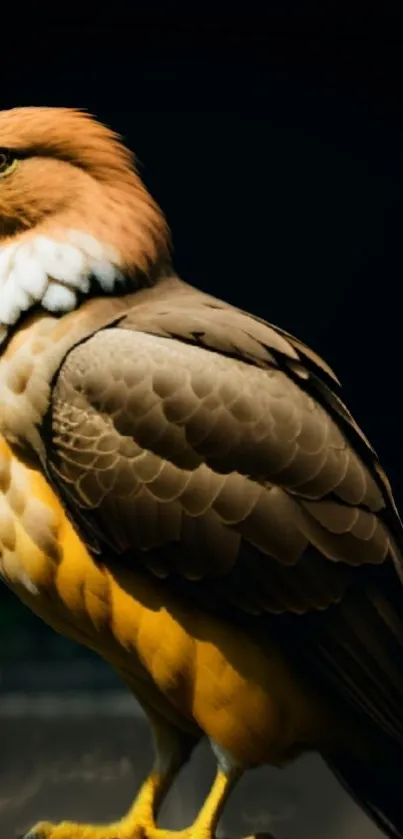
x=71, y=830
x=139, y=823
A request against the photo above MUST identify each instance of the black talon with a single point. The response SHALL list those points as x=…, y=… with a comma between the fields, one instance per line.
x=30, y=835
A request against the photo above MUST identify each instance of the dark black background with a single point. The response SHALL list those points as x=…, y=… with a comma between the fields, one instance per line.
x=275, y=150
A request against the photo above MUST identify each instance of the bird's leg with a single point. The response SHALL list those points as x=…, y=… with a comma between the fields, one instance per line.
x=206, y=821
x=172, y=750
x=229, y=772
x=205, y=824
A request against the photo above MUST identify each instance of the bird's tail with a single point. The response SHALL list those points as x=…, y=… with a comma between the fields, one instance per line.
x=377, y=789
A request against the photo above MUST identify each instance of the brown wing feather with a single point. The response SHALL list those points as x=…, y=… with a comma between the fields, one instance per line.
x=195, y=439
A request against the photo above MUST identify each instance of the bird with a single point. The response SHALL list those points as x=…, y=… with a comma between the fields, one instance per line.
x=185, y=492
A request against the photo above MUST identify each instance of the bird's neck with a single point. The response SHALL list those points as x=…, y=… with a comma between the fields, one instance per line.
x=107, y=239
x=55, y=272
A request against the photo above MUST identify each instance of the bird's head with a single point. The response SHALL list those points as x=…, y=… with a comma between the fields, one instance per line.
x=75, y=218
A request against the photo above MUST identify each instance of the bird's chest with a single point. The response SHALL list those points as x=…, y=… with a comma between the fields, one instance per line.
x=192, y=667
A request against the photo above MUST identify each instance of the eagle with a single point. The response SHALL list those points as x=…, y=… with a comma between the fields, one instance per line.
x=184, y=491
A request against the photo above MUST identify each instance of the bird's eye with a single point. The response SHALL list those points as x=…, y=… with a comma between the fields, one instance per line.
x=8, y=162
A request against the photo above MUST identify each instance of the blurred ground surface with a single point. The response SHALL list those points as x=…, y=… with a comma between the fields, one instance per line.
x=85, y=760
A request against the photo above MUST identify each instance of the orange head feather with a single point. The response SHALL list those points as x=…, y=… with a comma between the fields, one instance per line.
x=73, y=172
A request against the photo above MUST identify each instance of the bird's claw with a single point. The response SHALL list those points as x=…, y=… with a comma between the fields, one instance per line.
x=72, y=830
x=65, y=830
x=32, y=834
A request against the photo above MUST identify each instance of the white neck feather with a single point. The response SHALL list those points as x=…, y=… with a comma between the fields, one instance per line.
x=53, y=273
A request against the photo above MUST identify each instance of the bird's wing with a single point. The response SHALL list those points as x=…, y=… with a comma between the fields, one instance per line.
x=212, y=449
